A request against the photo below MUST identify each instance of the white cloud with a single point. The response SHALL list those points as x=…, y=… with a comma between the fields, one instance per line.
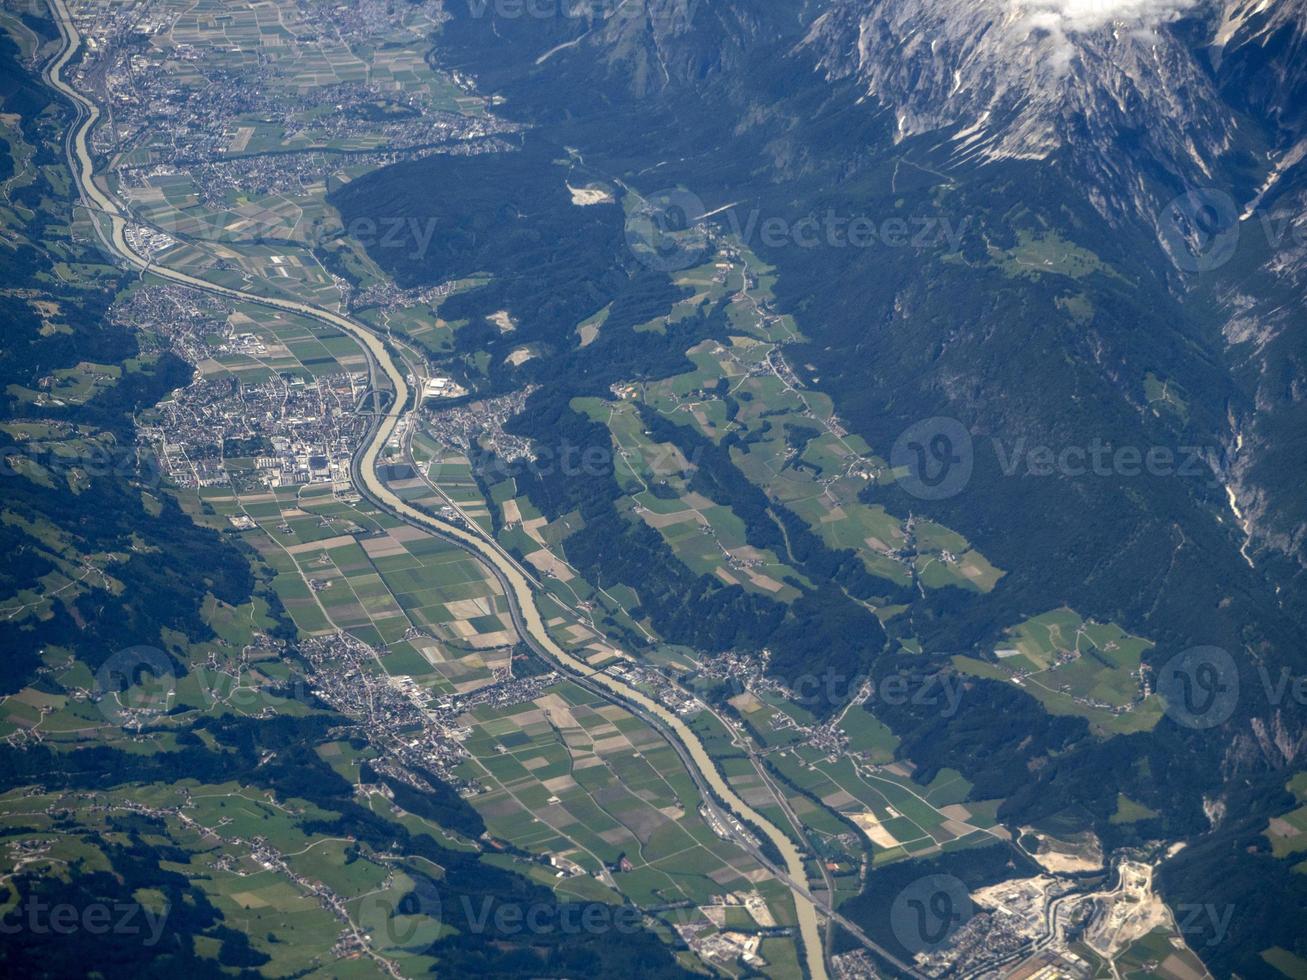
x=1070, y=16
x=1058, y=20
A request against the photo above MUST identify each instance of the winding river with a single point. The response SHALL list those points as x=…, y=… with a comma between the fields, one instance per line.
x=111, y=221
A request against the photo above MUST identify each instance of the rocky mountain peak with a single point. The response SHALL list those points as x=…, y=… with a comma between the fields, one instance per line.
x=1004, y=79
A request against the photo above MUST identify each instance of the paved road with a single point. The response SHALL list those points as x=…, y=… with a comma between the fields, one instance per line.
x=111, y=223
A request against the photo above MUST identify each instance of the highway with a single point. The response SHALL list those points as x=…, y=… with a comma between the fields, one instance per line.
x=111, y=222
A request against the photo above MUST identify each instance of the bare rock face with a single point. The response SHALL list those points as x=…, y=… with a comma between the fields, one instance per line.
x=1258, y=54
x=1002, y=79
x=1143, y=100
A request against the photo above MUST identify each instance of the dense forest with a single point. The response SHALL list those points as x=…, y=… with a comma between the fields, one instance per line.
x=1018, y=357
